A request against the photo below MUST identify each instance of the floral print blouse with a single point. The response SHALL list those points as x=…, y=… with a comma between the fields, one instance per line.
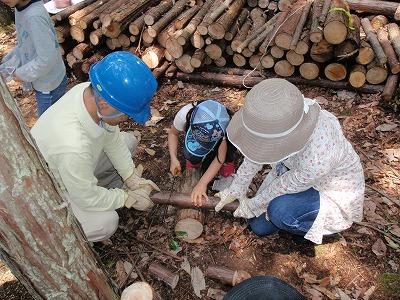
x=327, y=163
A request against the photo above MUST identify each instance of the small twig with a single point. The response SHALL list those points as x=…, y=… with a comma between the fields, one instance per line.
x=140, y=274
x=379, y=230
x=159, y=250
x=383, y=194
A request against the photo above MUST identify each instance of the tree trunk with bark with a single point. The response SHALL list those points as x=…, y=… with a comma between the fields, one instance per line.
x=40, y=240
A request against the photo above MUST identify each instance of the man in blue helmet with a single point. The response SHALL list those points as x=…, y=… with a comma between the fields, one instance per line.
x=82, y=144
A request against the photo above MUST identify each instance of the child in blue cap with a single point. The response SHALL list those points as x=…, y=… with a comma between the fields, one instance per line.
x=205, y=145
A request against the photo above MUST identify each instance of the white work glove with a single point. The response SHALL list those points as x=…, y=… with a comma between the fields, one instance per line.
x=226, y=198
x=135, y=181
x=244, y=210
x=139, y=199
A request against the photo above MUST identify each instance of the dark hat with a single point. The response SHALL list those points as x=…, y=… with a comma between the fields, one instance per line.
x=263, y=288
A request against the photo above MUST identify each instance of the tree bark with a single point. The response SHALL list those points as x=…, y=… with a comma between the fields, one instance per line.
x=392, y=60
x=394, y=37
x=78, y=15
x=164, y=274
x=40, y=240
x=390, y=87
x=300, y=25
x=227, y=276
x=373, y=40
x=316, y=34
x=387, y=8
x=217, y=29
x=64, y=14
x=166, y=19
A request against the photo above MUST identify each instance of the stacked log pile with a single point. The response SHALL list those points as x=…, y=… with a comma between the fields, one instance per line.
x=311, y=40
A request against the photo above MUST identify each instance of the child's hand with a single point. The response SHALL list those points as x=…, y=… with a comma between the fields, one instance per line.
x=175, y=167
x=198, y=192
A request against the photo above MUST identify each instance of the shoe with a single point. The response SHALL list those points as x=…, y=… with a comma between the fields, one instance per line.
x=189, y=165
x=227, y=169
x=300, y=240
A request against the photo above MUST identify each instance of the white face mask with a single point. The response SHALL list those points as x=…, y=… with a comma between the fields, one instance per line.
x=101, y=117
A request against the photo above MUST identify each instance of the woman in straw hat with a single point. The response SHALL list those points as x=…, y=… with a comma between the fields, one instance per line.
x=316, y=185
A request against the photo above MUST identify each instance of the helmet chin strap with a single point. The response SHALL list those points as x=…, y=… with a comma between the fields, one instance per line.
x=101, y=117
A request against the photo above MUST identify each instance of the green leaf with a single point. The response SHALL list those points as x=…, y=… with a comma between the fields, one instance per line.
x=174, y=245
x=181, y=233
x=110, y=264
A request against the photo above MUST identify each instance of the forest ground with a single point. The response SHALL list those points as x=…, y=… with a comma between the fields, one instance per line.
x=362, y=262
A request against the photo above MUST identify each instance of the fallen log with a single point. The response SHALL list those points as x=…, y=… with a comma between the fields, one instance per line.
x=357, y=76
x=64, y=14
x=300, y=25
x=390, y=87
x=349, y=47
x=166, y=19
x=379, y=21
x=226, y=275
x=249, y=81
x=376, y=72
x=138, y=290
x=78, y=15
x=152, y=56
x=191, y=27
x=284, y=68
x=218, y=29
x=309, y=70
x=365, y=54
x=394, y=37
x=189, y=225
x=373, y=40
x=335, y=71
x=164, y=274
x=287, y=29
x=335, y=27
x=230, y=34
x=184, y=18
x=392, y=60
x=183, y=199
x=391, y=9
x=322, y=51
x=316, y=33
x=257, y=36
x=63, y=32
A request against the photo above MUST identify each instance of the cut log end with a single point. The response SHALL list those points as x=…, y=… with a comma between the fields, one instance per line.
x=138, y=291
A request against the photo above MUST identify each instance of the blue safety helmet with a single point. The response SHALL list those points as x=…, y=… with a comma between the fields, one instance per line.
x=126, y=83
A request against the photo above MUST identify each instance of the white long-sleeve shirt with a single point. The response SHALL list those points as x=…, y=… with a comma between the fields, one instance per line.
x=71, y=143
x=36, y=57
x=327, y=163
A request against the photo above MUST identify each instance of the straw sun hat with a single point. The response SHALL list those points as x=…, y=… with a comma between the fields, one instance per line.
x=274, y=123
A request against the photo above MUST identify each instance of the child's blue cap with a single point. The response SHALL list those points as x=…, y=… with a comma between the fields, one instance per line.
x=208, y=124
